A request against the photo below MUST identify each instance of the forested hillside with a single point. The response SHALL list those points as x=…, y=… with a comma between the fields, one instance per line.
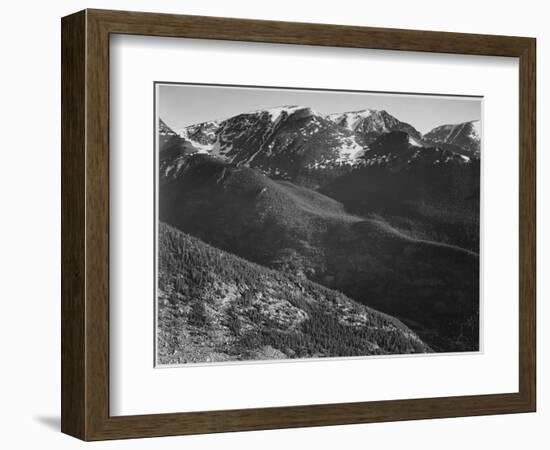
x=215, y=306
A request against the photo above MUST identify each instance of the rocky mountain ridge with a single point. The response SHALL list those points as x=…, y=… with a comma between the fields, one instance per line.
x=285, y=141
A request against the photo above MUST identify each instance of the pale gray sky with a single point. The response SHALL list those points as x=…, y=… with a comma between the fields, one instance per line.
x=180, y=105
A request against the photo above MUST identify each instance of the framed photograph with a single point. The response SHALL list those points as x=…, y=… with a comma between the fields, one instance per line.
x=273, y=225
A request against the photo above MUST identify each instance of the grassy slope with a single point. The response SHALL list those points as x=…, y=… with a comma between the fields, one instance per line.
x=214, y=306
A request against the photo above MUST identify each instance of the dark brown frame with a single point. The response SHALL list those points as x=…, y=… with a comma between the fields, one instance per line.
x=85, y=224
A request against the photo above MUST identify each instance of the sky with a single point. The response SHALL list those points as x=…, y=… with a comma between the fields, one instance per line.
x=180, y=105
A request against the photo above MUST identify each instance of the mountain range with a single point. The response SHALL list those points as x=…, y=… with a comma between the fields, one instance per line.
x=357, y=203
x=286, y=140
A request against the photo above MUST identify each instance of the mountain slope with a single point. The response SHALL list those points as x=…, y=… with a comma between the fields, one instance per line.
x=279, y=141
x=167, y=137
x=297, y=144
x=464, y=136
x=429, y=285
x=214, y=306
x=370, y=124
x=398, y=150
x=429, y=191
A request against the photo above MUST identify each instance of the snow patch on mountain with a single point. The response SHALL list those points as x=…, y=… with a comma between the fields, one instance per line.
x=414, y=142
x=201, y=148
x=350, y=119
x=282, y=140
x=275, y=113
x=475, y=133
x=349, y=152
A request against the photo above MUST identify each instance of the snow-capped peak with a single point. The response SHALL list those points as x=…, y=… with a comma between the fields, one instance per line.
x=276, y=112
x=350, y=119
x=466, y=135
x=208, y=127
x=476, y=129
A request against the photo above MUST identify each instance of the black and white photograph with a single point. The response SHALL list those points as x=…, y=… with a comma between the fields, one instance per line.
x=298, y=223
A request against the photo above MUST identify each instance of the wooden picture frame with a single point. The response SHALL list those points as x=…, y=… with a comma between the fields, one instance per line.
x=85, y=224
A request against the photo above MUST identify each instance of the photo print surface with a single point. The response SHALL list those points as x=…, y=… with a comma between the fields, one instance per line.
x=301, y=223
